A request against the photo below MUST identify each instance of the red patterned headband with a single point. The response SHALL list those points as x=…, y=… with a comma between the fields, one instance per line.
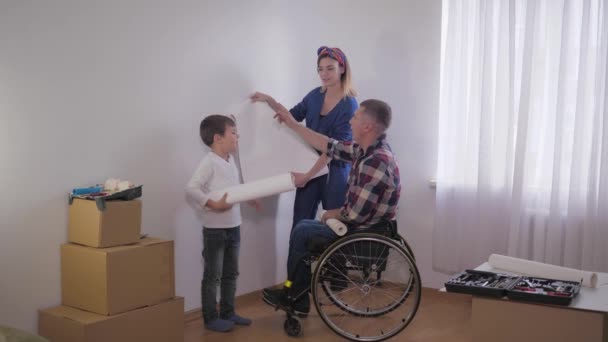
x=334, y=53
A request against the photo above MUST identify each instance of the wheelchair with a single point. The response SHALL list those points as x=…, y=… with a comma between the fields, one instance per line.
x=365, y=285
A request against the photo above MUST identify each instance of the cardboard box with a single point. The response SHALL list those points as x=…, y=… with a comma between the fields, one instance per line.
x=163, y=322
x=500, y=320
x=112, y=280
x=118, y=224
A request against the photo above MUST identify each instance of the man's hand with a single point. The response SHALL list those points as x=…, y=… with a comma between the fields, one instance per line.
x=334, y=213
x=300, y=179
x=255, y=204
x=220, y=205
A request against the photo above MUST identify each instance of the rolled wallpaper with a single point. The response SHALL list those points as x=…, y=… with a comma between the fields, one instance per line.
x=257, y=189
x=539, y=269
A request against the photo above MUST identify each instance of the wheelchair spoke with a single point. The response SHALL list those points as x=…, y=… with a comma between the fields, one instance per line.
x=354, y=304
x=388, y=289
x=370, y=250
x=369, y=273
x=342, y=293
x=344, y=275
x=391, y=265
x=380, y=256
x=336, y=278
x=388, y=294
x=354, y=247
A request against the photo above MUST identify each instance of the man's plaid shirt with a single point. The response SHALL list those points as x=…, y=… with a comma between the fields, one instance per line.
x=373, y=184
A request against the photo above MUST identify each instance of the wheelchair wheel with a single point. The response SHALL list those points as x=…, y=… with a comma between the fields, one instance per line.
x=366, y=287
x=292, y=327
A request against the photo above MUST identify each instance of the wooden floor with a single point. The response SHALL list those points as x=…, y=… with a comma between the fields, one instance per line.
x=441, y=317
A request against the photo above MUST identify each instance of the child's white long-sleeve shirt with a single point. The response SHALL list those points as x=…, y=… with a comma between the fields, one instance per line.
x=213, y=174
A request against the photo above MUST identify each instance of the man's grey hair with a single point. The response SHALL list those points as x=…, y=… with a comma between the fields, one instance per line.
x=379, y=111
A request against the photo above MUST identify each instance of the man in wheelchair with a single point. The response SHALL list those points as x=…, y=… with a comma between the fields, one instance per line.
x=372, y=196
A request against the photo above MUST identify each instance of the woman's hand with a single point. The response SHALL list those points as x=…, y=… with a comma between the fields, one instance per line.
x=284, y=116
x=300, y=179
x=260, y=97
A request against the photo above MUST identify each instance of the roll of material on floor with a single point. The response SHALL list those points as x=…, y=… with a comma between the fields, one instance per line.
x=539, y=269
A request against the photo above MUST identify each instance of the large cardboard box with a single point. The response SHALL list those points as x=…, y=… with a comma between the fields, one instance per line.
x=163, y=322
x=118, y=224
x=499, y=320
x=112, y=280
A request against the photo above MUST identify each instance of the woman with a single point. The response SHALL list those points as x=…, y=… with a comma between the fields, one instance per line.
x=327, y=109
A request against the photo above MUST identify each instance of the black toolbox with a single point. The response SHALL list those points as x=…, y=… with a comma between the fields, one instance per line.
x=532, y=289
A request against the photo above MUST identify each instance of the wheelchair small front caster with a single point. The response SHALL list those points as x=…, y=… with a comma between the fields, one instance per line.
x=292, y=327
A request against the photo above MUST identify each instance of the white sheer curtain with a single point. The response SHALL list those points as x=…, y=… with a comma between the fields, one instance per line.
x=523, y=133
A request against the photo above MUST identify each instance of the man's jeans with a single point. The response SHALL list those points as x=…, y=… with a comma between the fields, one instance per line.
x=303, y=232
x=221, y=257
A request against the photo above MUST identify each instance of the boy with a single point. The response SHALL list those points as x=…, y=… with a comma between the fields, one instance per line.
x=221, y=222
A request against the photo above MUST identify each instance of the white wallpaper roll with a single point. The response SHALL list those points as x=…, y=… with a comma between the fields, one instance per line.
x=337, y=226
x=257, y=189
x=262, y=138
x=539, y=269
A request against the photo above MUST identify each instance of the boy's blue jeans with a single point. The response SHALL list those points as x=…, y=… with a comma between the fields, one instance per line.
x=221, y=258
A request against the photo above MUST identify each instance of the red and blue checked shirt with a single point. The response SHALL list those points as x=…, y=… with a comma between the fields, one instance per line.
x=373, y=184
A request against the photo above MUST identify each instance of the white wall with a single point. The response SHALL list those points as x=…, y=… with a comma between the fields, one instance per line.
x=91, y=90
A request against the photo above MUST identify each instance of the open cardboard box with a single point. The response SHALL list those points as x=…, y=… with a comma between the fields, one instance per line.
x=118, y=224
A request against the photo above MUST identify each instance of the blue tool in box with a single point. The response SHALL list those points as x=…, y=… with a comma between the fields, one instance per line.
x=89, y=190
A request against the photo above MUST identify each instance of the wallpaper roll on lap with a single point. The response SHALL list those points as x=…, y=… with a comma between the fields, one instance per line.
x=256, y=189
x=539, y=269
x=337, y=226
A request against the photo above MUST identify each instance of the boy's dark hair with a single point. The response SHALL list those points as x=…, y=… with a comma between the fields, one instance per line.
x=214, y=124
x=379, y=111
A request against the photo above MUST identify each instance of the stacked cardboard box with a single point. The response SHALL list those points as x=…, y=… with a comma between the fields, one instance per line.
x=114, y=285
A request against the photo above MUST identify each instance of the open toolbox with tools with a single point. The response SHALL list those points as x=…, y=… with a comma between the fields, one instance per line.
x=534, y=289
x=541, y=290
x=481, y=283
